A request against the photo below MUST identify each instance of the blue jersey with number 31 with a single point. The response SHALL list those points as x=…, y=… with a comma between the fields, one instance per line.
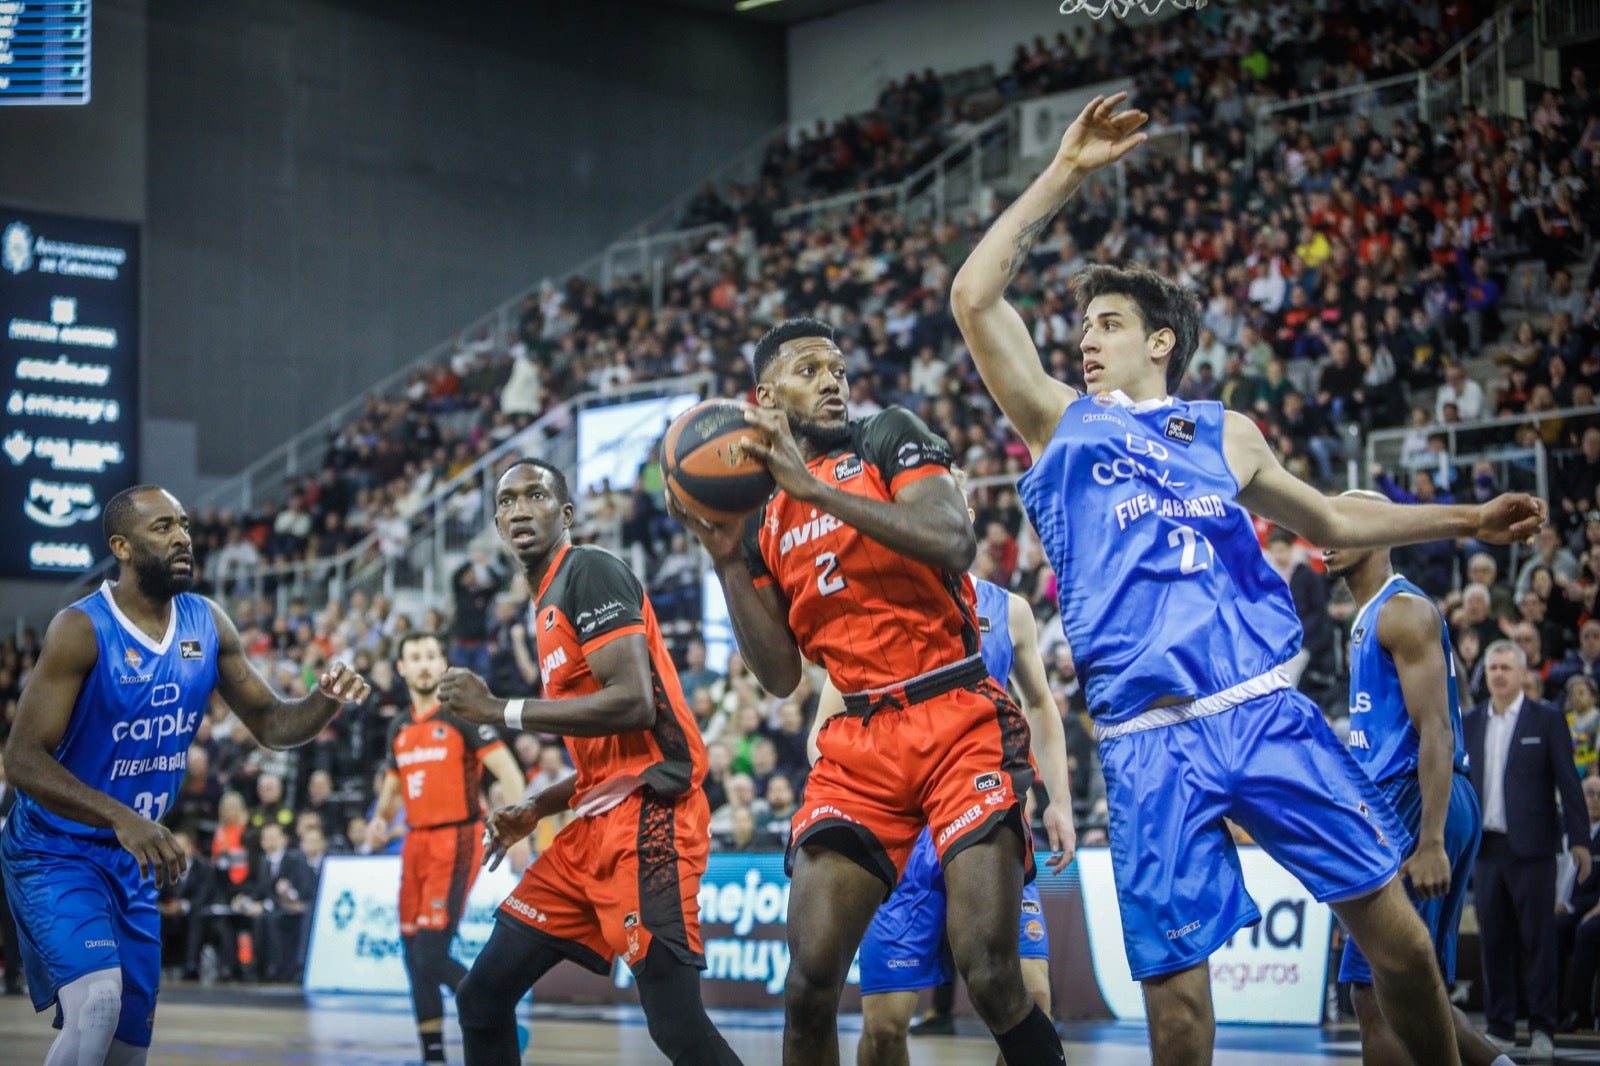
x=137, y=711
x=1164, y=589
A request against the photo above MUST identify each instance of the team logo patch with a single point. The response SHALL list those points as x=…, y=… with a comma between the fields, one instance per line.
x=132, y=658
x=1180, y=429
x=983, y=624
x=1030, y=907
x=847, y=468
x=1105, y=399
x=190, y=649
x=985, y=782
x=550, y=620
x=909, y=455
x=1034, y=931
x=1361, y=631
x=630, y=920
x=440, y=732
x=438, y=904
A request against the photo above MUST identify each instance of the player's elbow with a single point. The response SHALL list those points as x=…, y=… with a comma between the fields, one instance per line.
x=637, y=716
x=962, y=548
x=969, y=297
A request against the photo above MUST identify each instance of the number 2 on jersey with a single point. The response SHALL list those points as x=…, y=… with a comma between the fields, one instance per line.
x=1188, y=538
x=829, y=581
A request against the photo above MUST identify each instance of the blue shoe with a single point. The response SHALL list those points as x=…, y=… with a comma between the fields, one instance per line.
x=522, y=1038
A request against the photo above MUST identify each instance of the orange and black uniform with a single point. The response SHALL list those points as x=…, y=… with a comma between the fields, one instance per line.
x=439, y=761
x=927, y=737
x=627, y=871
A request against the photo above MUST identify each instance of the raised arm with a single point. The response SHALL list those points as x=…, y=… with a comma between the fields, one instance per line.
x=1269, y=490
x=1409, y=630
x=44, y=710
x=926, y=520
x=275, y=721
x=623, y=704
x=1002, y=349
x=1049, y=737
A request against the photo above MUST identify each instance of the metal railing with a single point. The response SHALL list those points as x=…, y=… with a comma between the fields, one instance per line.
x=1568, y=22
x=1467, y=442
x=1474, y=70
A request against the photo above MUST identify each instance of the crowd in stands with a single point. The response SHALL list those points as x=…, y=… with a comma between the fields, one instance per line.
x=1423, y=275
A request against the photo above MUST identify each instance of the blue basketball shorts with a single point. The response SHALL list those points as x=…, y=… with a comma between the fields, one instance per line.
x=1463, y=829
x=80, y=907
x=1274, y=766
x=905, y=948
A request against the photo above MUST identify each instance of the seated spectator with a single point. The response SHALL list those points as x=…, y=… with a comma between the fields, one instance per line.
x=230, y=852
x=1581, y=703
x=1549, y=552
x=789, y=737
x=270, y=808
x=763, y=762
x=781, y=804
x=1582, y=661
x=744, y=835
x=1461, y=392
x=194, y=808
x=183, y=905
x=1527, y=638
x=718, y=762
x=741, y=793
x=695, y=674
x=276, y=904
x=319, y=798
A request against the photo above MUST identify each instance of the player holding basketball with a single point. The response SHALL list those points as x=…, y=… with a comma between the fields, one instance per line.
x=623, y=879
x=1405, y=731
x=858, y=561
x=97, y=753
x=904, y=950
x=1180, y=628
x=440, y=761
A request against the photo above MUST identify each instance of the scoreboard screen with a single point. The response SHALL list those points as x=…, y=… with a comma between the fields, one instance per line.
x=44, y=51
x=69, y=350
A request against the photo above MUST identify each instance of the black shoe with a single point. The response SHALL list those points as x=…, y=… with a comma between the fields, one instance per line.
x=933, y=1025
x=1573, y=1022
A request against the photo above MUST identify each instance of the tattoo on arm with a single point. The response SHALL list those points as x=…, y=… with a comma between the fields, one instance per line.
x=1024, y=242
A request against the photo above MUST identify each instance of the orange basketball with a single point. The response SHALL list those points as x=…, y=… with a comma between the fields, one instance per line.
x=705, y=466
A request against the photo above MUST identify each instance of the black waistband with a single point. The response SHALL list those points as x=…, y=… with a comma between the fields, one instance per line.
x=966, y=673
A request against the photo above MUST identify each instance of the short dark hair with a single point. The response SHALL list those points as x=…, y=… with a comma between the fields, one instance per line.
x=122, y=511
x=413, y=637
x=781, y=334
x=1162, y=304
x=563, y=492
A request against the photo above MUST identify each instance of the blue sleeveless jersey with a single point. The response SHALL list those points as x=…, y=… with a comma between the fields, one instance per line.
x=1164, y=589
x=994, y=629
x=137, y=711
x=1382, y=738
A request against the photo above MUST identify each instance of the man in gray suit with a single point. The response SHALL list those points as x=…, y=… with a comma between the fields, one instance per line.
x=1520, y=757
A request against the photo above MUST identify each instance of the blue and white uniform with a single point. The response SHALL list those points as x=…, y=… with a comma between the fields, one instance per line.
x=904, y=949
x=1166, y=597
x=1386, y=744
x=79, y=901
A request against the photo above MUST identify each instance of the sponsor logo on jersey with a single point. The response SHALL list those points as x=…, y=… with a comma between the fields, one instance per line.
x=984, y=625
x=1030, y=906
x=422, y=754
x=814, y=528
x=550, y=620
x=1105, y=399
x=190, y=649
x=1180, y=429
x=133, y=658
x=904, y=964
x=984, y=782
x=530, y=913
x=848, y=467
x=156, y=727
x=554, y=660
x=1179, y=934
x=1361, y=631
x=1034, y=931
x=630, y=919
x=910, y=455
x=588, y=621
x=1101, y=416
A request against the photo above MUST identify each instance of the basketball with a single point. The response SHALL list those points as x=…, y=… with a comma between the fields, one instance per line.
x=705, y=466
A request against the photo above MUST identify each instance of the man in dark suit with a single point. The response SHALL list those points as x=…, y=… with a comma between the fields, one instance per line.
x=1578, y=926
x=8, y=926
x=277, y=903
x=1520, y=756
x=185, y=904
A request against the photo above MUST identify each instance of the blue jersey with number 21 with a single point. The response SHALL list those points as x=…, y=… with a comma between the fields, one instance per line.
x=1163, y=586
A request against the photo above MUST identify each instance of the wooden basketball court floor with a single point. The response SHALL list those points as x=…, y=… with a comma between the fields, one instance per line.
x=282, y=1027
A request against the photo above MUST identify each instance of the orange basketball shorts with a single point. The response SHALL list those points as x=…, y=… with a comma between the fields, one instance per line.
x=437, y=868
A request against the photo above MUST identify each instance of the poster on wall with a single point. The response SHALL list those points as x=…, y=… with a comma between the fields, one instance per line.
x=69, y=427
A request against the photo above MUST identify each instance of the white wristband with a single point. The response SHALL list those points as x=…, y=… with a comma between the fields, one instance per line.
x=514, y=714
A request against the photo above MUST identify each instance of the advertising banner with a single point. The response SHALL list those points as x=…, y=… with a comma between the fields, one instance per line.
x=1274, y=973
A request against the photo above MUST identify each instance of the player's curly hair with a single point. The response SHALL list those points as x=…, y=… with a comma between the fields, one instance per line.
x=1162, y=304
x=781, y=334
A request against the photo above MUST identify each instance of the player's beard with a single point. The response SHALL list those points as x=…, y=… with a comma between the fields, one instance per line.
x=423, y=693
x=819, y=436
x=155, y=578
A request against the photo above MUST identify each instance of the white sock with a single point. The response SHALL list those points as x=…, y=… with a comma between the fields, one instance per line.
x=90, y=1009
x=1503, y=1060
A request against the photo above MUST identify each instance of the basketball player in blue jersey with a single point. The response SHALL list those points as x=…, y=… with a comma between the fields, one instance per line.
x=1405, y=732
x=97, y=753
x=904, y=950
x=1181, y=630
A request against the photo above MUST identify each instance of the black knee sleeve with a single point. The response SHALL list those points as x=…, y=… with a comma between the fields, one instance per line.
x=426, y=1002
x=669, y=992
x=434, y=959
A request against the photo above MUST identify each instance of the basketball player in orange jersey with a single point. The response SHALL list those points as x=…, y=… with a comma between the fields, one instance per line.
x=434, y=760
x=624, y=877
x=858, y=561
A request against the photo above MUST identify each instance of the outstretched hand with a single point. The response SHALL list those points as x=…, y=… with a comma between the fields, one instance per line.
x=1510, y=518
x=1101, y=134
